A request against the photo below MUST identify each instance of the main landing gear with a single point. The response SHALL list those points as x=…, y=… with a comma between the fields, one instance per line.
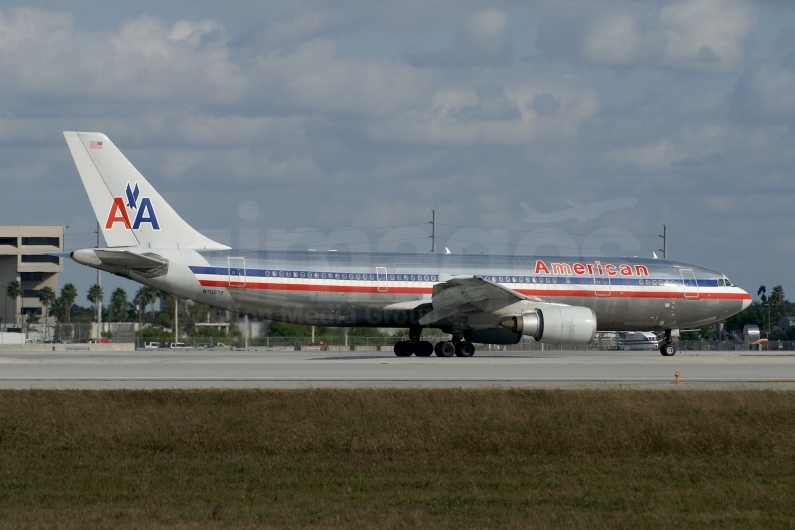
x=423, y=348
x=667, y=348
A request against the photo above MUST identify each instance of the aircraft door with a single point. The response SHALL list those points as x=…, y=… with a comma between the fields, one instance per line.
x=690, y=284
x=383, y=279
x=601, y=281
x=237, y=272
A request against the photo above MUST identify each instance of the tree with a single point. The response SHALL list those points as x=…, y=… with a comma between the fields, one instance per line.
x=761, y=293
x=118, y=304
x=96, y=295
x=68, y=297
x=144, y=297
x=14, y=291
x=777, y=296
x=47, y=297
x=58, y=309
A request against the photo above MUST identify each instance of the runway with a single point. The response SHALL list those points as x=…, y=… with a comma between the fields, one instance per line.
x=278, y=369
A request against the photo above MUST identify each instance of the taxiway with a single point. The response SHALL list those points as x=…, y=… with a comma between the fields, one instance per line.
x=277, y=369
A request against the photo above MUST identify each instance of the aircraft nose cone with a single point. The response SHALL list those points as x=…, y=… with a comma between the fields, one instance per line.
x=746, y=300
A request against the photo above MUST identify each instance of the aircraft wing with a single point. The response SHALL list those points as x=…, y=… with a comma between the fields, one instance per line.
x=470, y=294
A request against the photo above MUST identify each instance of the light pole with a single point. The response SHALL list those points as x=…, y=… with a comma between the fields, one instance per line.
x=768, y=325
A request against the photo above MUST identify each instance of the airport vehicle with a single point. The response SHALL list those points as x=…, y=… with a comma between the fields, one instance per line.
x=12, y=338
x=638, y=340
x=475, y=298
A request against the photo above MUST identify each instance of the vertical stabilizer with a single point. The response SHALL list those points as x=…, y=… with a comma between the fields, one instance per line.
x=129, y=210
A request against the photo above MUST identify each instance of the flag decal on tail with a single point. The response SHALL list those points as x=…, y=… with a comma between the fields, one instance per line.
x=120, y=212
x=95, y=145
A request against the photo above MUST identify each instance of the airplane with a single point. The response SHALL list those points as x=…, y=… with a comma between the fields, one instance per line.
x=577, y=211
x=484, y=299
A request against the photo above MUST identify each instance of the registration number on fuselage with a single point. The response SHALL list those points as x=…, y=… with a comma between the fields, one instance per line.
x=217, y=292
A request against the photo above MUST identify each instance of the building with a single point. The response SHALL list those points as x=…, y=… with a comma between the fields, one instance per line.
x=785, y=323
x=23, y=257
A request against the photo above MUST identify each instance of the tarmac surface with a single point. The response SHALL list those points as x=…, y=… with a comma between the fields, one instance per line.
x=311, y=369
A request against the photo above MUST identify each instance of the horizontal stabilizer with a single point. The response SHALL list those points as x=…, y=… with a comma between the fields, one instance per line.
x=122, y=262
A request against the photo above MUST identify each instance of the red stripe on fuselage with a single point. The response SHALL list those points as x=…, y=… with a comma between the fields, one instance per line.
x=317, y=288
x=582, y=293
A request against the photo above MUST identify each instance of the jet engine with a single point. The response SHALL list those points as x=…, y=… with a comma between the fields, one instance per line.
x=556, y=324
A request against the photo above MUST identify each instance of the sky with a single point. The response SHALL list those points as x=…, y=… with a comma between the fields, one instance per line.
x=312, y=124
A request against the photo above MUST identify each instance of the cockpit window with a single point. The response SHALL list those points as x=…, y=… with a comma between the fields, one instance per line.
x=728, y=283
x=721, y=282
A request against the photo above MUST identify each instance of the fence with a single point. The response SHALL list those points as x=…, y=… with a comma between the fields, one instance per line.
x=117, y=332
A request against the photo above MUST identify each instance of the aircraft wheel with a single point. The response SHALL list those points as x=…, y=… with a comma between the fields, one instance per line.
x=668, y=350
x=465, y=349
x=403, y=349
x=423, y=349
x=445, y=349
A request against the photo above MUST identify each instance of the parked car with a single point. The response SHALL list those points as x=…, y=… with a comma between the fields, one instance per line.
x=151, y=345
x=178, y=346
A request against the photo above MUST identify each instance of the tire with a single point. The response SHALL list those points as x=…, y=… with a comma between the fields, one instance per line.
x=423, y=349
x=668, y=350
x=465, y=349
x=403, y=349
x=447, y=349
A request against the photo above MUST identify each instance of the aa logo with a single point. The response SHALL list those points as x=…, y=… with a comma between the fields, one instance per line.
x=121, y=212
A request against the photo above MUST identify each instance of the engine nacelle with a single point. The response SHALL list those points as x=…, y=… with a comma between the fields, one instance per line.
x=556, y=325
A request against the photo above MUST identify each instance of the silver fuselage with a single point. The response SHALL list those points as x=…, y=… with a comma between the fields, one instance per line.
x=376, y=290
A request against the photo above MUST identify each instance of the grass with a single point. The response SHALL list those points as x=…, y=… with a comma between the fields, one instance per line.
x=397, y=458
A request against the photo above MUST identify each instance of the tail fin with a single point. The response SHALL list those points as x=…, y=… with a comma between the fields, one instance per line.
x=129, y=210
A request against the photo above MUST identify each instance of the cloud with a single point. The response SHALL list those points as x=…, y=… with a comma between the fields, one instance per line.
x=701, y=35
x=615, y=40
x=41, y=52
x=320, y=115
x=485, y=41
x=765, y=94
x=511, y=115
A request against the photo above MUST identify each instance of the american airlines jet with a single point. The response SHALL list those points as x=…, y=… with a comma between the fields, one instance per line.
x=475, y=298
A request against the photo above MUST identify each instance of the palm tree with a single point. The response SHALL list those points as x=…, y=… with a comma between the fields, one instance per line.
x=46, y=296
x=14, y=291
x=151, y=298
x=96, y=295
x=68, y=296
x=761, y=293
x=118, y=304
x=140, y=302
x=162, y=296
x=145, y=296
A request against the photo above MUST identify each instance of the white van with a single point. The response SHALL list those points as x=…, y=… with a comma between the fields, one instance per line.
x=178, y=346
